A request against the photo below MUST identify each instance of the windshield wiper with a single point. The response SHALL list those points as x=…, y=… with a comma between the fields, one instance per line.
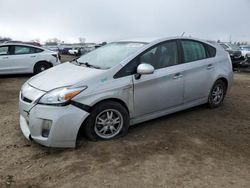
x=89, y=65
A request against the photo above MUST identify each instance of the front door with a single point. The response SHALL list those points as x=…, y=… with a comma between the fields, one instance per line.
x=164, y=88
x=5, y=66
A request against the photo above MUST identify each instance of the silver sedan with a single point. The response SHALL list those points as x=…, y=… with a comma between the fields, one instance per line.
x=120, y=84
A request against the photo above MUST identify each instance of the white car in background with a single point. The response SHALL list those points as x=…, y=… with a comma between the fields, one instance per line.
x=74, y=51
x=245, y=51
x=16, y=58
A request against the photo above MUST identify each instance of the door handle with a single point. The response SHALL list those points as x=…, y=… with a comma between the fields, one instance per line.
x=5, y=57
x=33, y=56
x=177, y=76
x=210, y=66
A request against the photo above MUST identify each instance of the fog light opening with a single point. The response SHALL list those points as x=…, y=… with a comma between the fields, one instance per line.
x=46, y=126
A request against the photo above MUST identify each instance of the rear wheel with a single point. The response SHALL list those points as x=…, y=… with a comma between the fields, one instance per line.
x=40, y=67
x=217, y=94
x=106, y=121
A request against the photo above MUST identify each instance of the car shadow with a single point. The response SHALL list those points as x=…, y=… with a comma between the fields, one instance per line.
x=16, y=76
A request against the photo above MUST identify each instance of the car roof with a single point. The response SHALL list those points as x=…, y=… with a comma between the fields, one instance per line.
x=158, y=39
x=21, y=44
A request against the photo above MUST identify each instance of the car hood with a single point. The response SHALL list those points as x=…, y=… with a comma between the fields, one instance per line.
x=66, y=74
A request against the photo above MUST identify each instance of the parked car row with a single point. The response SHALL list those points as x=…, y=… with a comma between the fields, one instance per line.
x=239, y=54
x=76, y=51
x=245, y=50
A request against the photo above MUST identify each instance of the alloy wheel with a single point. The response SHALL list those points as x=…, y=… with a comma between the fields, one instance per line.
x=108, y=123
x=217, y=94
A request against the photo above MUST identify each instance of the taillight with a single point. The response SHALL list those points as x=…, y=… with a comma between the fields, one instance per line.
x=55, y=55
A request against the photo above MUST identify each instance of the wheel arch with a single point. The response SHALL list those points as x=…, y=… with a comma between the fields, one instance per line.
x=224, y=79
x=118, y=100
x=42, y=61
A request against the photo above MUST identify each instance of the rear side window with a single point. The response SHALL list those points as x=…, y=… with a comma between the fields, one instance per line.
x=4, y=50
x=26, y=50
x=193, y=51
x=22, y=50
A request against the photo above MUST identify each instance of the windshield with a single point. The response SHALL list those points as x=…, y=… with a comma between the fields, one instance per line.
x=234, y=47
x=110, y=55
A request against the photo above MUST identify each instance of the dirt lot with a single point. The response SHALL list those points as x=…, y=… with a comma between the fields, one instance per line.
x=199, y=147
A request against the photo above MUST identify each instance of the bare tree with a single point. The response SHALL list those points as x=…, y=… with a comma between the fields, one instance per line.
x=36, y=40
x=81, y=40
x=53, y=41
x=4, y=39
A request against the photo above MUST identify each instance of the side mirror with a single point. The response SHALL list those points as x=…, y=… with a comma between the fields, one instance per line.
x=145, y=68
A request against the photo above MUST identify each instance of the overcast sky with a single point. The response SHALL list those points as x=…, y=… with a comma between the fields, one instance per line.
x=107, y=20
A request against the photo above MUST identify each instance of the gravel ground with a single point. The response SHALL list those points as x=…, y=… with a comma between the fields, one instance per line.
x=199, y=147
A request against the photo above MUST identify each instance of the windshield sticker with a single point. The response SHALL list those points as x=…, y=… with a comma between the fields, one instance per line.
x=104, y=79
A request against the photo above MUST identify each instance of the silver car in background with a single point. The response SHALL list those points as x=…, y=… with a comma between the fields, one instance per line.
x=120, y=84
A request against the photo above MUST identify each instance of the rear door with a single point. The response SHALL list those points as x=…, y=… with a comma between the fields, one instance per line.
x=5, y=66
x=23, y=58
x=199, y=69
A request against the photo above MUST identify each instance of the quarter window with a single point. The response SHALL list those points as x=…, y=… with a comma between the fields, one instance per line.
x=211, y=51
x=22, y=50
x=36, y=50
x=193, y=51
x=4, y=50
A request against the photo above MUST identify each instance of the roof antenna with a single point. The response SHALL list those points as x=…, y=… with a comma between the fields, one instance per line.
x=183, y=34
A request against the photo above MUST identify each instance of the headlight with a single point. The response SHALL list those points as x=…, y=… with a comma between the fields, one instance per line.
x=24, y=86
x=60, y=95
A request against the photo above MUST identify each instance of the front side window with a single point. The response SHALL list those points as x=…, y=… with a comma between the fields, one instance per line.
x=193, y=51
x=110, y=55
x=22, y=50
x=4, y=50
x=161, y=56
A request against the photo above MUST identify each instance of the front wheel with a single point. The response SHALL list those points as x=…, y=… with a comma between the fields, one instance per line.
x=106, y=121
x=217, y=94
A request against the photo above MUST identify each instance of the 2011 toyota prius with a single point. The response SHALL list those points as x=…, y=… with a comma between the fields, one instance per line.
x=121, y=84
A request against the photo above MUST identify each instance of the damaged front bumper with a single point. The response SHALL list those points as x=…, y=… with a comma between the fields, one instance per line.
x=52, y=126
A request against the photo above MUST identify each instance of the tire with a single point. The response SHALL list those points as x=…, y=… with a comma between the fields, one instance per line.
x=40, y=67
x=102, y=123
x=217, y=94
